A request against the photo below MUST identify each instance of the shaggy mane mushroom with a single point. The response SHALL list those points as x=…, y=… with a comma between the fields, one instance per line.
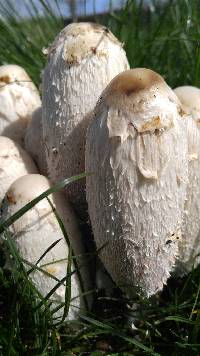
x=189, y=248
x=36, y=231
x=81, y=62
x=14, y=163
x=18, y=99
x=137, y=146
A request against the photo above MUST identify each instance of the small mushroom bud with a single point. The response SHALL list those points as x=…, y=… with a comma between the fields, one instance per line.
x=136, y=145
x=81, y=62
x=189, y=250
x=14, y=163
x=34, y=143
x=18, y=99
x=36, y=231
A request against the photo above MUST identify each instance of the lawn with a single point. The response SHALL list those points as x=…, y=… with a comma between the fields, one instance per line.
x=166, y=39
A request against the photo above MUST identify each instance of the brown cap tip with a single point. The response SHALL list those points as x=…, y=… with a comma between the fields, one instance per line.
x=134, y=80
x=133, y=87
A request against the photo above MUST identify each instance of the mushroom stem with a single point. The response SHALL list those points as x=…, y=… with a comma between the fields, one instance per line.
x=34, y=143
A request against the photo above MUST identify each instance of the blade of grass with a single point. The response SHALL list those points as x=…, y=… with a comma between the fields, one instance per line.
x=115, y=332
x=68, y=286
x=77, y=267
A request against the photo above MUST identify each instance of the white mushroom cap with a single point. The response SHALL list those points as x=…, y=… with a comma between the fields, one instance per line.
x=143, y=92
x=81, y=62
x=137, y=146
x=37, y=230
x=18, y=99
x=34, y=143
x=189, y=97
x=14, y=163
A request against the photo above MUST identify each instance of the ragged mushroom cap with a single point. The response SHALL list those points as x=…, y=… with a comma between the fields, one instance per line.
x=34, y=143
x=12, y=73
x=189, y=97
x=18, y=99
x=37, y=230
x=14, y=163
x=81, y=62
x=82, y=40
x=136, y=147
x=145, y=93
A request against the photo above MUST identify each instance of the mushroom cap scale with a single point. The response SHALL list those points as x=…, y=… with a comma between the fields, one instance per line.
x=18, y=99
x=70, y=91
x=14, y=163
x=136, y=196
x=36, y=231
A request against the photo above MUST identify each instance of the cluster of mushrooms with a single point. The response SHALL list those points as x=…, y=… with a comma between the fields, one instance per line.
x=138, y=138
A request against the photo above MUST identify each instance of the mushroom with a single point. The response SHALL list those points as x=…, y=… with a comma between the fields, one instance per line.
x=14, y=163
x=34, y=143
x=18, y=99
x=81, y=61
x=36, y=230
x=136, y=145
x=189, y=248
x=189, y=97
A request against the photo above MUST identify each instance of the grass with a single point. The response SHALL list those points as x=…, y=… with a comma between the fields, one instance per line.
x=168, y=41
